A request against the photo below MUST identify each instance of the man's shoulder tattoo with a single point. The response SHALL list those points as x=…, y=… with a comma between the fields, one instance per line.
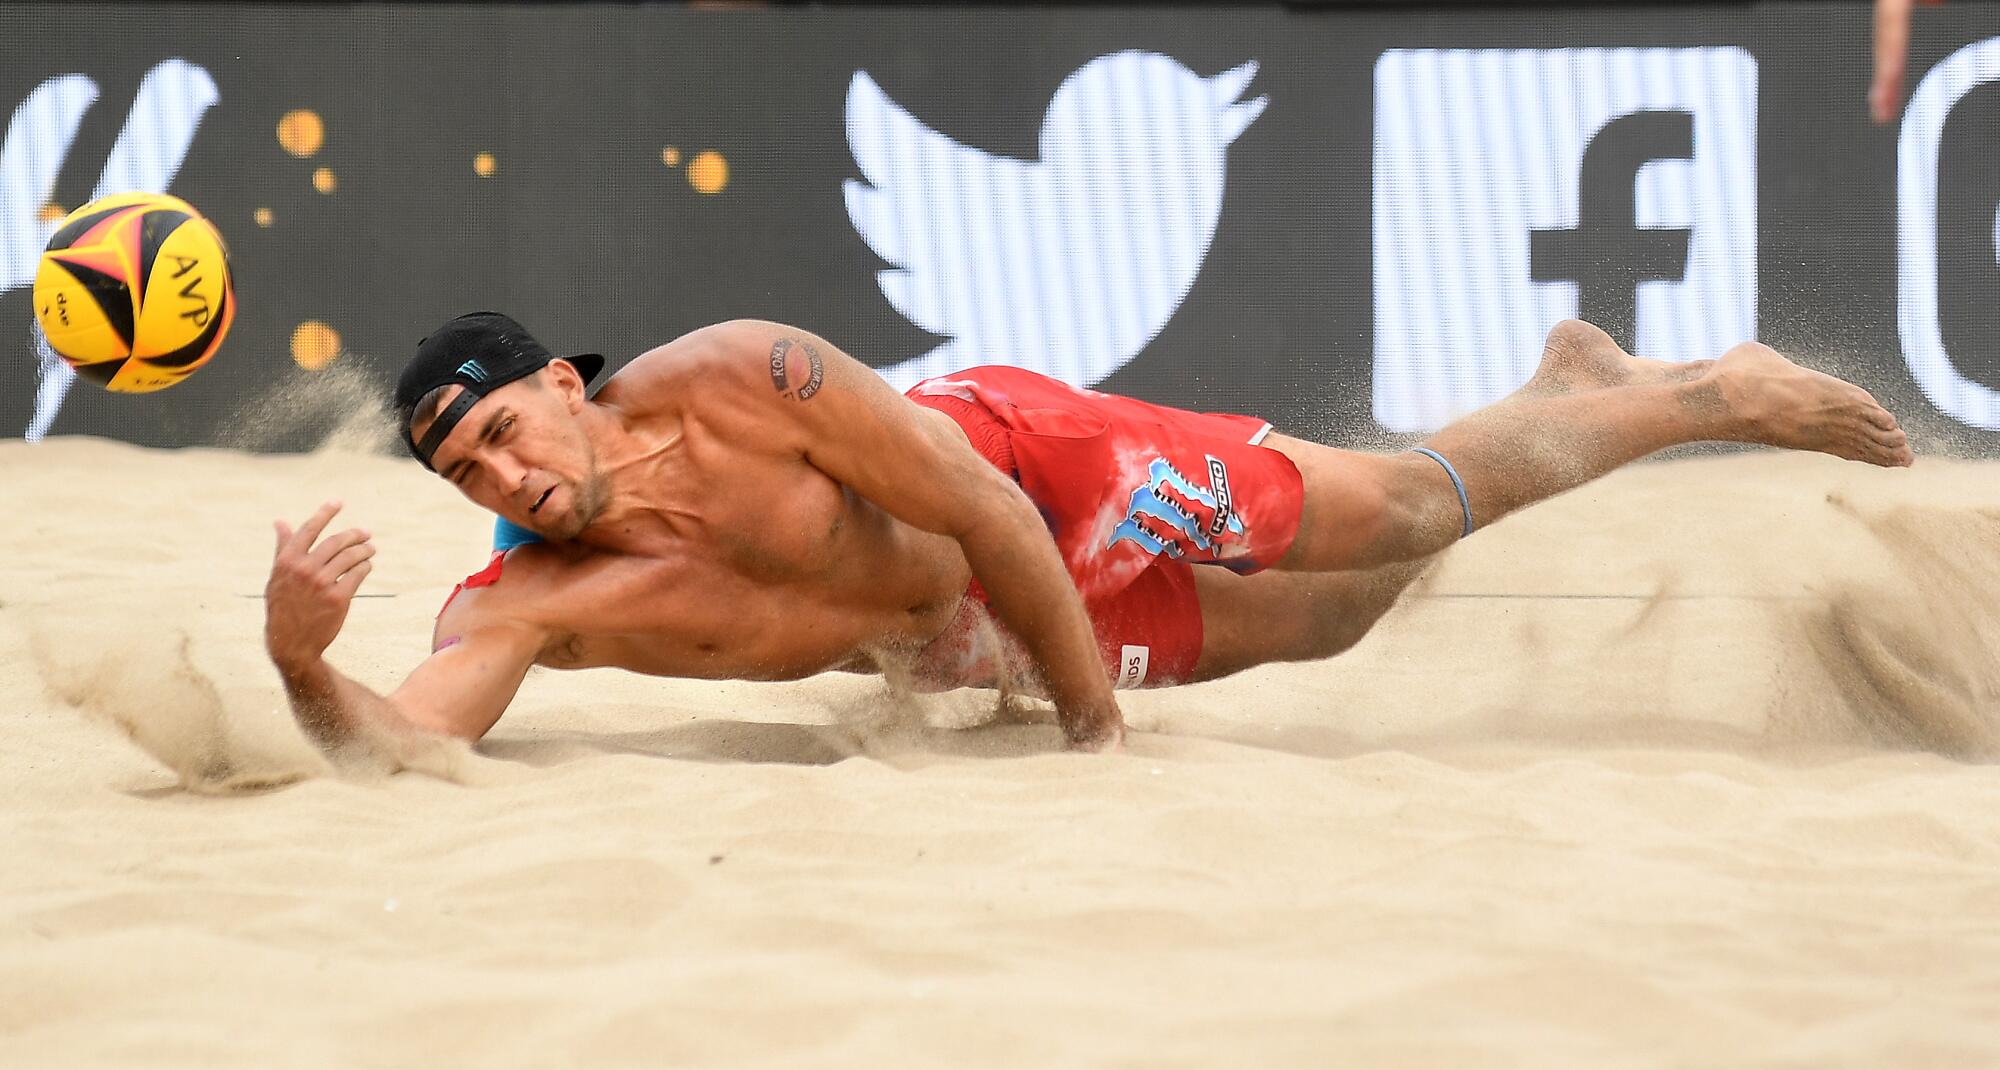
x=782, y=353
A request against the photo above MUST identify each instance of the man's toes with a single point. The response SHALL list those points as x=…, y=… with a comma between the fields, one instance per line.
x=1875, y=413
x=1889, y=449
x=1890, y=446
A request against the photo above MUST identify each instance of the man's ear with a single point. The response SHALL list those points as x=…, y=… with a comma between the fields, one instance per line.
x=566, y=381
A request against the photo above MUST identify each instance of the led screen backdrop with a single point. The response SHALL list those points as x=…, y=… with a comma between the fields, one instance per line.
x=1350, y=222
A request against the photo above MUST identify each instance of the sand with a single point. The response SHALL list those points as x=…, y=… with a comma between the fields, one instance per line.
x=1689, y=768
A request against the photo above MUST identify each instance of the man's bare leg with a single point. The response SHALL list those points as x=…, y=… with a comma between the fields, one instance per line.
x=1293, y=616
x=1290, y=616
x=1590, y=408
x=1305, y=616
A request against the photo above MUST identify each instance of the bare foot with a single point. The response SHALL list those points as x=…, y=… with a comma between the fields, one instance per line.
x=1578, y=356
x=1759, y=396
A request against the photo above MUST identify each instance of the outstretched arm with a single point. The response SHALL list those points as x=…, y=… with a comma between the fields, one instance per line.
x=785, y=386
x=460, y=690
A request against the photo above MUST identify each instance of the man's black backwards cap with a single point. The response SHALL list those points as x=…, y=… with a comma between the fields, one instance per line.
x=479, y=351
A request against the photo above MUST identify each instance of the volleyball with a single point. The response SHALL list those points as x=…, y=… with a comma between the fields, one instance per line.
x=133, y=291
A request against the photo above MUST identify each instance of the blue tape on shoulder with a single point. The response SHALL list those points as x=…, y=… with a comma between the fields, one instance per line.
x=1464, y=503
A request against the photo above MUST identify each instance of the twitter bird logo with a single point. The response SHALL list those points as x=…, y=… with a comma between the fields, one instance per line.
x=1067, y=265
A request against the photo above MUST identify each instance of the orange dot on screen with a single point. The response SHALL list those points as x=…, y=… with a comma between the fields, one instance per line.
x=670, y=156
x=262, y=216
x=708, y=172
x=314, y=345
x=324, y=181
x=483, y=165
x=301, y=132
x=52, y=213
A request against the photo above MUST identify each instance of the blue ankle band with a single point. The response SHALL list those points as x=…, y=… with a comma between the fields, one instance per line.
x=1457, y=484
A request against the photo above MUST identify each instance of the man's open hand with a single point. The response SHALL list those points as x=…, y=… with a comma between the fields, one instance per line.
x=311, y=587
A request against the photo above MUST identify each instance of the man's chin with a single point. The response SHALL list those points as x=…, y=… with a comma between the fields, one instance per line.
x=556, y=528
x=549, y=523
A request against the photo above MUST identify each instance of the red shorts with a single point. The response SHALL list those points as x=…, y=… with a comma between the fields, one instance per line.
x=1134, y=495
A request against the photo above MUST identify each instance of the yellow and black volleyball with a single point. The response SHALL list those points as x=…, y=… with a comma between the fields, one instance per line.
x=134, y=292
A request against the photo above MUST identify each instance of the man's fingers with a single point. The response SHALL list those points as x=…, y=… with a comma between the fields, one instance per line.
x=351, y=581
x=333, y=545
x=308, y=532
x=1892, y=49
x=346, y=560
x=284, y=534
x=1885, y=97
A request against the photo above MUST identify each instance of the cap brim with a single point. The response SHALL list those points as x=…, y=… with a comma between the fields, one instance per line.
x=587, y=365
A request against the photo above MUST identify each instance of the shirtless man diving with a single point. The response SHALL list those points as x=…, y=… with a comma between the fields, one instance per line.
x=749, y=502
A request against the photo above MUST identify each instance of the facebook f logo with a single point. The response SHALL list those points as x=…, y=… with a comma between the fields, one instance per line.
x=1948, y=209
x=1606, y=254
x=1516, y=188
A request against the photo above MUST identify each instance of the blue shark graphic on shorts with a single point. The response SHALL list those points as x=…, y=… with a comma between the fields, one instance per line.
x=1161, y=524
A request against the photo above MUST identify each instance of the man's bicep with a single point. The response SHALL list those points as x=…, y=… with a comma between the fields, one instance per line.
x=467, y=682
x=852, y=425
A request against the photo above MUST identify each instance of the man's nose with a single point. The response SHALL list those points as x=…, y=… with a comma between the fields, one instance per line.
x=509, y=472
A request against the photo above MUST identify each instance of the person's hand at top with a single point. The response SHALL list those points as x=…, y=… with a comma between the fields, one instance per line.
x=1892, y=58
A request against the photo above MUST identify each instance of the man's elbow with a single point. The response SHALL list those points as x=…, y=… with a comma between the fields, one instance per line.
x=997, y=512
x=449, y=724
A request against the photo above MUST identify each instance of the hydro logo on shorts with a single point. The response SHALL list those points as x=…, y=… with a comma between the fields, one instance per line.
x=1165, y=514
x=1514, y=188
x=1948, y=234
x=1132, y=663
